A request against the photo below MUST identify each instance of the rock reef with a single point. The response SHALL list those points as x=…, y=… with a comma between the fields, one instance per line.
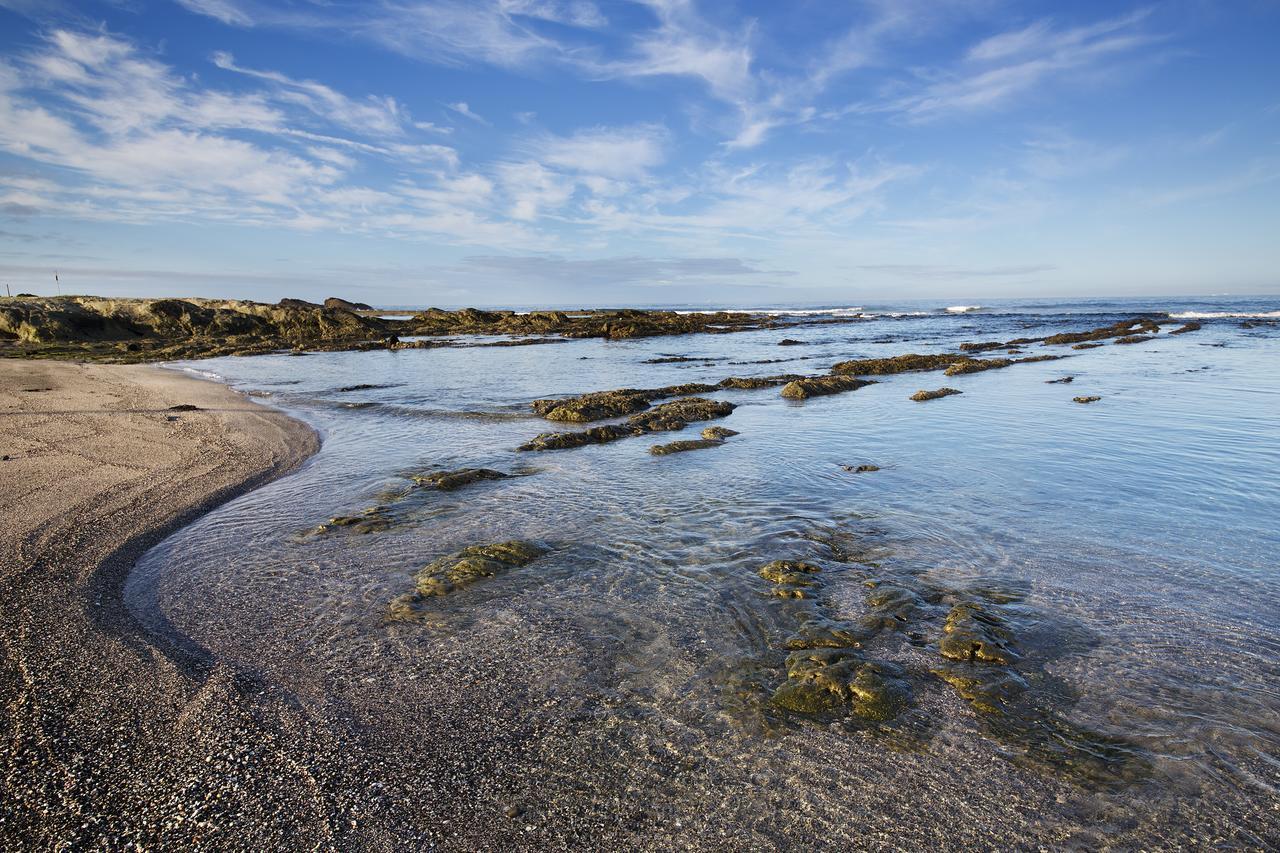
x=667, y=417
x=923, y=395
x=460, y=570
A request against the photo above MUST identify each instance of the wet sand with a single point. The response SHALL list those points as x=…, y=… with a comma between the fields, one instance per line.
x=109, y=737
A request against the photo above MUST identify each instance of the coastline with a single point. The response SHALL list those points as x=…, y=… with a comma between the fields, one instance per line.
x=103, y=730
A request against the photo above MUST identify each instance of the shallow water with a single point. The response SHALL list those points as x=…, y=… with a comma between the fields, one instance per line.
x=1138, y=534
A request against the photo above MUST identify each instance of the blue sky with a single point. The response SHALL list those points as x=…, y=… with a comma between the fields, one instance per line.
x=662, y=151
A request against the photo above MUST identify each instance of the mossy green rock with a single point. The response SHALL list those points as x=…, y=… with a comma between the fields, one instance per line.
x=823, y=680
x=820, y=632
x=718, y=433
x=372, y=520
x=447, y=481
x=682, y=446
x=821, y=386
x=789, y=571
x=463, y=568
x=975, y=632
x=989, y=689
x=897, y=364
x=922, y=395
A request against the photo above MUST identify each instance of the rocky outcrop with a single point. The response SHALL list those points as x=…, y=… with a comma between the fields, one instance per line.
x=460, y=570
x=922, y=395
x=821, y=386
x=683, y=445
x=667, y=417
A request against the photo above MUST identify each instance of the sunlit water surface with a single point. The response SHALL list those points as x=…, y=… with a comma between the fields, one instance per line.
x=1142, y=530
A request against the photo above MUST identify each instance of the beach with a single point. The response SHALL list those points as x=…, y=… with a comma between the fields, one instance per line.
x=110, y=736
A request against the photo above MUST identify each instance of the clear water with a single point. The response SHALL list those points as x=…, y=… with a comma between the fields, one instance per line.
x=634, y=659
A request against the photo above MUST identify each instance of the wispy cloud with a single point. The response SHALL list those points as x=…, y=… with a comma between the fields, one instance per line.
x=462, y=108
x=1007, y=65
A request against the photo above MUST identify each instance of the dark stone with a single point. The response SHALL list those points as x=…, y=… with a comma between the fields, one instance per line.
x=922, y=395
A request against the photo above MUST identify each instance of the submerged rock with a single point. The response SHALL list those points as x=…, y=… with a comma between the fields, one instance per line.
x=820, y=632
x=447, y=481
x=1087, y=346
x=1093, y=399
x=1063, y=380
x=989, y=689
x=1135, y=339
x=718, y=432
x=1191, y=326
x=974, y=632
x=686, y=444
x=861, y=469
x=820, y=386
x=820, y=681
x=463, y=568
x=790, y=342
x=922, y=395
x=372, y=520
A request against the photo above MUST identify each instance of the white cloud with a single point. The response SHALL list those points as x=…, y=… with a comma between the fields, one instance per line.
x=463, y=109
x=226, y=11
x=621, y=152
x=378, y=116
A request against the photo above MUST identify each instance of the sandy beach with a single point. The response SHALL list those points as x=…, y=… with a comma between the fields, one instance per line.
x=110, y=738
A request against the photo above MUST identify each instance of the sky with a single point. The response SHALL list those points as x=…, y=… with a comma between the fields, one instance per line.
x=576, y=152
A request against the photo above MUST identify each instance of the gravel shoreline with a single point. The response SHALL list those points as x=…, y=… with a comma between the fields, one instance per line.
x=108, y=740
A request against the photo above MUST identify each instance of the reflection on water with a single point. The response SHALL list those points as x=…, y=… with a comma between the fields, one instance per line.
x=1128, y=547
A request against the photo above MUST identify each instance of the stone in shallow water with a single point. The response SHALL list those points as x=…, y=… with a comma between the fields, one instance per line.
x=922, y=395
x=1093, y=399
x=789, y=571
x=975, y=632
x=821, y=386
x=686, y=444
x=718, y=432
x=989, y=689
x=375, y=519
x=463, y=568
x=447, y=481
x=824, y=680
x=667, y=417
x=820, y=632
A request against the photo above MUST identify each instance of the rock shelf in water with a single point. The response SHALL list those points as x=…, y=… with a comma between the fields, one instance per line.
x=923, y=395
x=667, y=417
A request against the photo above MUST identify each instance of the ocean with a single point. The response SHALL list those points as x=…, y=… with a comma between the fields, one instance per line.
x=1127, y=550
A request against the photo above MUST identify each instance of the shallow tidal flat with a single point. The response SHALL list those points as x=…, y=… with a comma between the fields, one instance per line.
x=905, y=603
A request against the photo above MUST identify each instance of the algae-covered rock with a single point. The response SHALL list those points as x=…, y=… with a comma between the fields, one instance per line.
x=1088, y=346
x=600, y=405
x=861, y=469
x=718, y=432
x=372, y=520
x=567, y=440
x=787, y=571
x=677, y=414
x=896, y=364
x=820, y=632
x=463, y=568
x=923, y=395
x=682, y=446
x=976, y=632
x=820, y=386
x=747, y=383
x=820, y=681
x=1092, y=399
x=1134, y=339
x=447, y=481
x=1062, y=380
x=977, y=365
x=667, y=417
x=1192, y=326
x=989, y=689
